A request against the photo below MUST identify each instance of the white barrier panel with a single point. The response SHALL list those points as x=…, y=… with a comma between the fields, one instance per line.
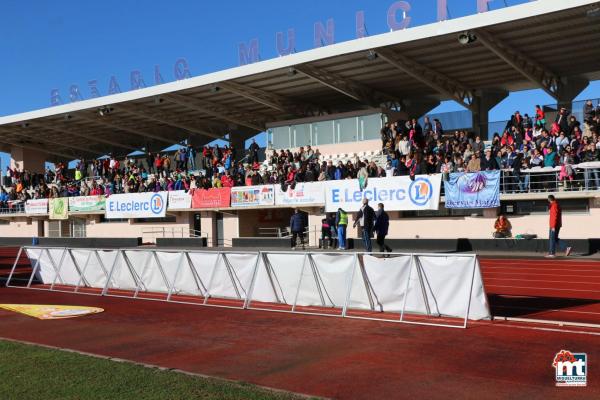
x=376, y=285
x=356, y=285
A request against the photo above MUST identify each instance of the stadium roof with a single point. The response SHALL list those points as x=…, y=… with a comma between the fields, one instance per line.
x=546, y=44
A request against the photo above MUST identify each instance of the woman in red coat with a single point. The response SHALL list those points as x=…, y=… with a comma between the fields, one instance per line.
x=555, y=225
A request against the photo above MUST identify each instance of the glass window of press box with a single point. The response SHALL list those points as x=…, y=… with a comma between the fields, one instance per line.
x=343, y=130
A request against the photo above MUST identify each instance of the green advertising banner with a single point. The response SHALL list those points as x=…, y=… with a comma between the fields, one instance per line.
x=87, y=203
x=58, y=208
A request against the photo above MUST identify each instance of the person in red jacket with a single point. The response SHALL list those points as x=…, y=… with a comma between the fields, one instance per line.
x=555, y=225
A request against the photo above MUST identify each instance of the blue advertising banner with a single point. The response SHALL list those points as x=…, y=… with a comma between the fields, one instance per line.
x=473, y=190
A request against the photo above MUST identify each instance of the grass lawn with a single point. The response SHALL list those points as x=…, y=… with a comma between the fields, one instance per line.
x=31, y=372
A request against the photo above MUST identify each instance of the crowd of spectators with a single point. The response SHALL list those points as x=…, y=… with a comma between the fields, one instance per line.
x=408, y=149
x=414, y=149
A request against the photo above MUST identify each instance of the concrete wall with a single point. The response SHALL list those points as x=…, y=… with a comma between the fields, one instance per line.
x=245, y=223
x=345, y=148
x=230, y=227
x=20, y=227
x=95, y=228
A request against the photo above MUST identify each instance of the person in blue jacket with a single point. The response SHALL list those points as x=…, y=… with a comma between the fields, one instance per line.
x=297, y=224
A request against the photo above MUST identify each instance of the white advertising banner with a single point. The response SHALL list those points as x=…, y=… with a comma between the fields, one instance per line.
x=37, y=206
x=399, y=193
x=137, y=205
x=246, y=196
x=302, y=193
x=179, y=200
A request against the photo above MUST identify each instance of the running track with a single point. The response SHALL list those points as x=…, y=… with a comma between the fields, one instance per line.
x=558, y=289
x=348, y=359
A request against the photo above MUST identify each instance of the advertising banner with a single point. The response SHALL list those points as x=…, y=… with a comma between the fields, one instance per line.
x=473, y=190
x=179, y=200
x=399, y=193
x=246, y=196
x=38, y=206
x=87, y=203
x=59, y=208
x=43, y=311
x=137, y=205
x=211, y=198
x=302, y=193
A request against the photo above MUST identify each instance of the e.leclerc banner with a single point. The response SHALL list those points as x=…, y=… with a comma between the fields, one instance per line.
x=399, y=193
x=302, y=193
x=137, y=205
x=87, y=203
x=211, y=198
x=473, y=190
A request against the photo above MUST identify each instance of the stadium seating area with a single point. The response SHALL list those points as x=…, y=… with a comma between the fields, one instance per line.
x=534, y=155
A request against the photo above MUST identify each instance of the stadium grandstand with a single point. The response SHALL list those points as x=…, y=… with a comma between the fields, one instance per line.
x=365, y=204
x=330, y=113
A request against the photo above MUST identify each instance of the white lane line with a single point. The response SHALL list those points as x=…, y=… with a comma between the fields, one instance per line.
x=536, y=274
x=539, y=280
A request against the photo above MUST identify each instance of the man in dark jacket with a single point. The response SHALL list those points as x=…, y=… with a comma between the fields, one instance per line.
x=489, y=163
x=297, y=227
x=366, y=218
x=382, y=224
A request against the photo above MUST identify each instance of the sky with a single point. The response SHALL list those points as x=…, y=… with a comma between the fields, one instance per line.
x=50, y=46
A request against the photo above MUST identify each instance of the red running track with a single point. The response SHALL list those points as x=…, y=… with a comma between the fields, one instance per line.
x=332, y=357
x=558, y=289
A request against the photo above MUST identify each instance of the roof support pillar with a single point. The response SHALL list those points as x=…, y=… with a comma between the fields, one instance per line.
x=485, y=100
x=568, y=90
x=416, y=108
x=28, y=159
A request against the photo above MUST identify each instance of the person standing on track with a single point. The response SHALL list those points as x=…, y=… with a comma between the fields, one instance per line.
x=366, y=218
x=382, y=224
x=341, y=221
x=297, y=227
x=555, y=225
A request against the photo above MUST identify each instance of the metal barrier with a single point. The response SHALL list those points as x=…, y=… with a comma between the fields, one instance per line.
x=350, y=285
x=172, y=232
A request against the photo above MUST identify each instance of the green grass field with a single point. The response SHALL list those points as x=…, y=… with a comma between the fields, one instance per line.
x=31, y=372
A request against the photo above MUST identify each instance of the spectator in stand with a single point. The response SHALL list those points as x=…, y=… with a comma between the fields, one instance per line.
x=555, y=225
x=253, y=152
x=562, y=119
x=540, y=117
x=502, y=227
x=474, y=164
x=488, y=163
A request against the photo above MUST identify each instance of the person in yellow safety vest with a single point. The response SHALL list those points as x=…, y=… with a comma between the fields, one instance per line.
x=341, y=221
x=78, y=174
